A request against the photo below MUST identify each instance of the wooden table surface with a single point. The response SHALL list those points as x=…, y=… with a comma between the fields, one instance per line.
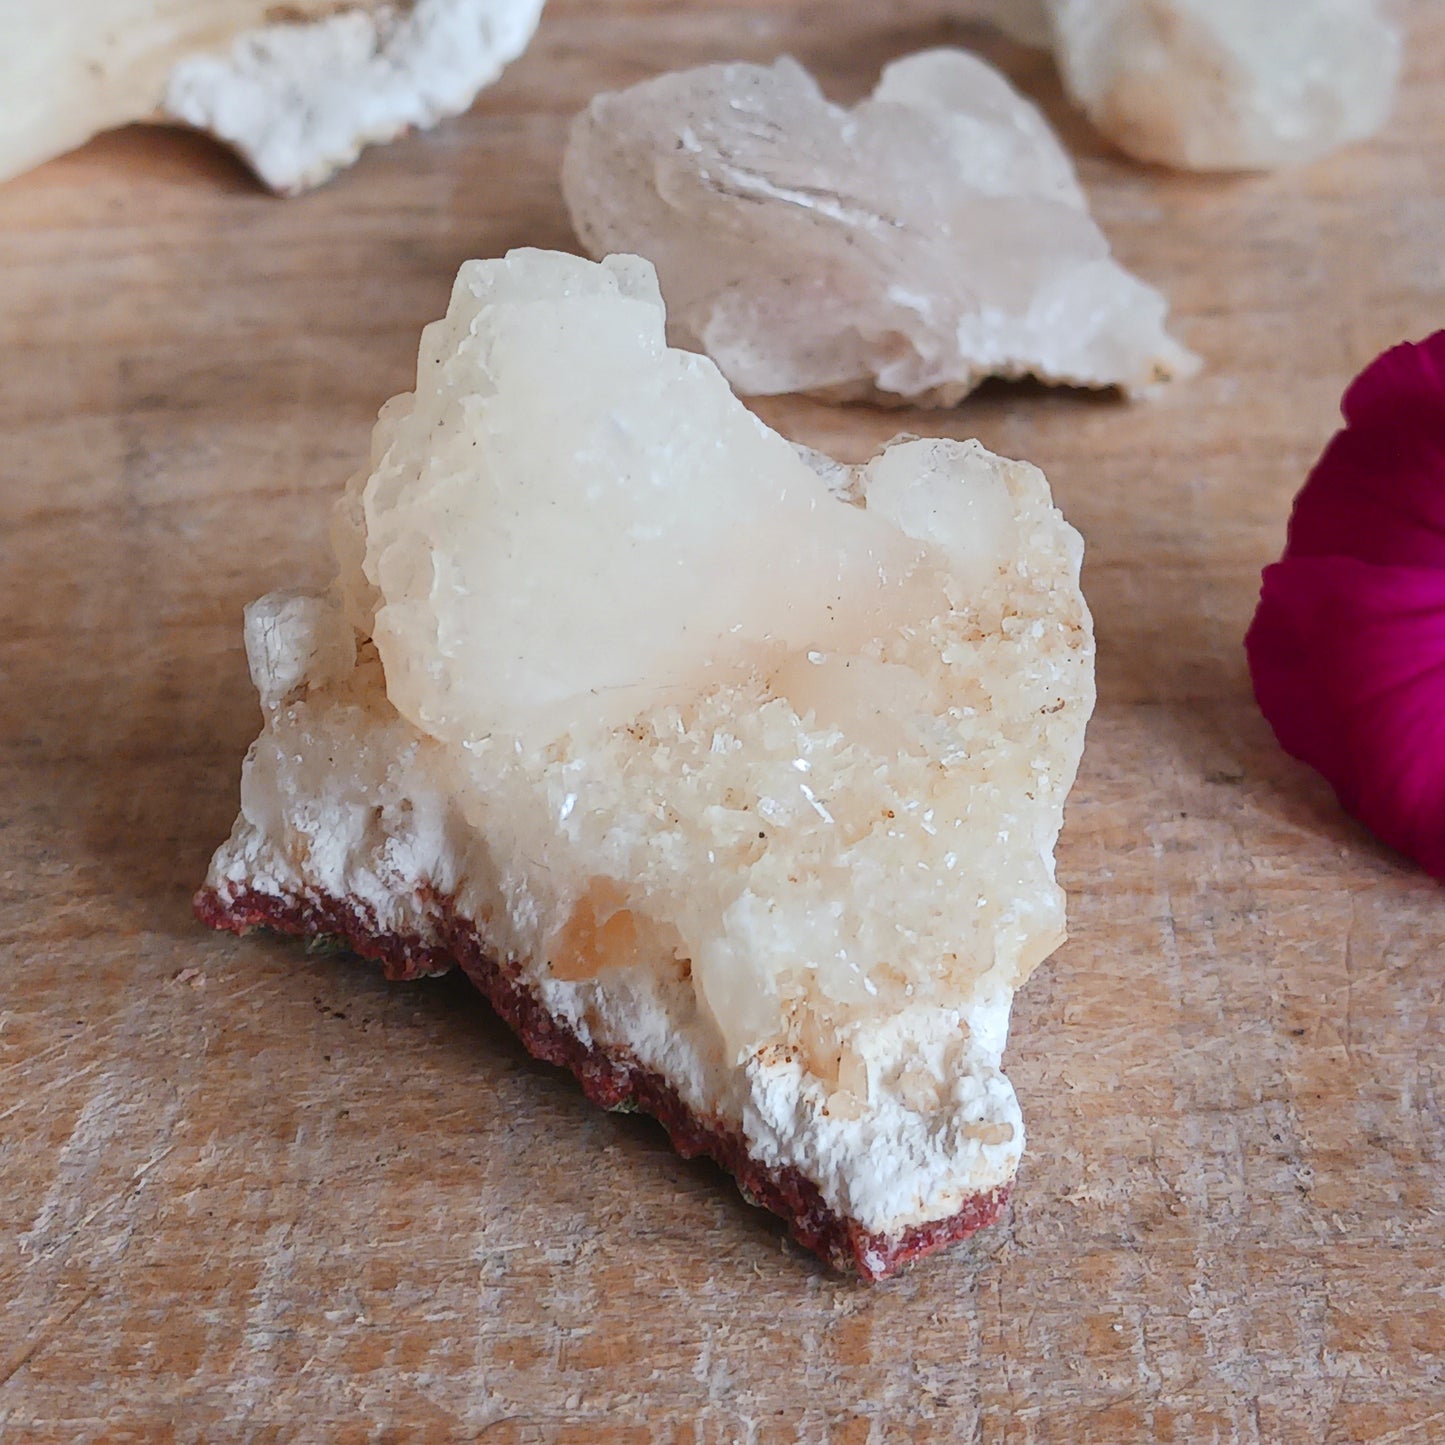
x=247, y=1194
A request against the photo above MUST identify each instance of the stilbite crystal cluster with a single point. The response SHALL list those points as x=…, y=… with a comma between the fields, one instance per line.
x=906, y=249
x=732, y=775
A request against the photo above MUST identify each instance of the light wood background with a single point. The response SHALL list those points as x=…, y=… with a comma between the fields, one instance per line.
x=251, y=1195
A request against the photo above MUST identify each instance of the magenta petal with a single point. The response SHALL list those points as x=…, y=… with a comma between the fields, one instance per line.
x=1378, y=492
x=1413, y=372
x=1348, y=663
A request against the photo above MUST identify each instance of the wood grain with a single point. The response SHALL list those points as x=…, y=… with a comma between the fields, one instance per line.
x=251, y=1195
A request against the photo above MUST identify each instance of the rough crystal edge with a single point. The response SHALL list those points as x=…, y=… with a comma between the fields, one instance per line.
x=609, y=1079
x=300, y=101
x=1176, y=363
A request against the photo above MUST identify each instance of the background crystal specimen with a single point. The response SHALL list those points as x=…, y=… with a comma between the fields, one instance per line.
x=1228, y=84
x=298, y=89
x=906, y=249
x=1211, y=85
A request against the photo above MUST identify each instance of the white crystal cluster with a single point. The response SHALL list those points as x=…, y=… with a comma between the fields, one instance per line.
x=906, y=249
x=816, y=747
x=748, y=766
x=1220, y=84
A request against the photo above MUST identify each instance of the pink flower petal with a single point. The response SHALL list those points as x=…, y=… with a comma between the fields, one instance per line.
x=1348, y=662
x=1413, y=372
x=1378, y=492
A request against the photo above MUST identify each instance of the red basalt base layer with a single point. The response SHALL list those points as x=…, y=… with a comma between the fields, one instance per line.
x=612, y=1080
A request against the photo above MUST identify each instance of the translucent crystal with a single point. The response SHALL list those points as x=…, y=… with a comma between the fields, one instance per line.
x=908, y=248
x=547, y=558
x=798, y=733
x=1229, y=84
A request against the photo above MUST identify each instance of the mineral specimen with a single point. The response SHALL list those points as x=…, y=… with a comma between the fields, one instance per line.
x=906, y=249
x=298, y=97
x=733, y=775
x=1220, y=84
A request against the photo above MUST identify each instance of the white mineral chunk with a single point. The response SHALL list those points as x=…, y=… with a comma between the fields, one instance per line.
x=298, y=97
x=930, y=237
x=1211, y=85
x=1229, y=84
x=545, y=554
x=811, y=725
x=301, y=102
